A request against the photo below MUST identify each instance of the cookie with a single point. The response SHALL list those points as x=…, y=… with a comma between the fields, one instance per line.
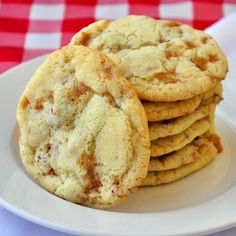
x=157, y=111
x=84, y=133
x=166, y=128
x=175, y=142
x=179, y=158
x=204, y=155
x=164, y=60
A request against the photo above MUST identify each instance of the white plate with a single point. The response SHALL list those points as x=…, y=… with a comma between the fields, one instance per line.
x=201, y=203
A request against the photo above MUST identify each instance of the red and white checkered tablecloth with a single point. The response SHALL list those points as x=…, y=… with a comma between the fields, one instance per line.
x=29, y=28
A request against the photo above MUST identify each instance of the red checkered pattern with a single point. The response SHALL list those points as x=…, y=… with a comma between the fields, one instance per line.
x=29, y=28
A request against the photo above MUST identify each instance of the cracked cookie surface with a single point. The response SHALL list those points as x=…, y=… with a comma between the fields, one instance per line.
x=84, y=134
x=164, y=60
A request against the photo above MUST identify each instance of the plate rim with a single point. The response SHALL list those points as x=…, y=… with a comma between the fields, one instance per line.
x=50, y=225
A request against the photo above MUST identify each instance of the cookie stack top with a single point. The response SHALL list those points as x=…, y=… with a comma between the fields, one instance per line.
x=165, y=61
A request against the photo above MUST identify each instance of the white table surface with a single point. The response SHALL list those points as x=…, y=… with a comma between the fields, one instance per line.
x=10, y=225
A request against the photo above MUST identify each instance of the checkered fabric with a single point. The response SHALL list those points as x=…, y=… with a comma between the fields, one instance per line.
x=29, y=28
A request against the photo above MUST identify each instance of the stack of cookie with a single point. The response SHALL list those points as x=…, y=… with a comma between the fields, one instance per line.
x=88, y=115
x=184, y=140
x=177, y=73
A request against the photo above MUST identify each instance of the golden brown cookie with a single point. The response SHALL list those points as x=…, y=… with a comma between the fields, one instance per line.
x=175, y=142
x=164, y=60
x=84, y=134
x=157, y=111
x=166, y=128
x=179, y=158
x=205, y=154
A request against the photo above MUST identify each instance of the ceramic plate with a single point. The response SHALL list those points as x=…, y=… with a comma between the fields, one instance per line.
x=199, y=204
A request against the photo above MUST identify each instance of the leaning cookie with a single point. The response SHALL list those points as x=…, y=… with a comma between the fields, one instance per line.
x=84, y=134
x=164, y=60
